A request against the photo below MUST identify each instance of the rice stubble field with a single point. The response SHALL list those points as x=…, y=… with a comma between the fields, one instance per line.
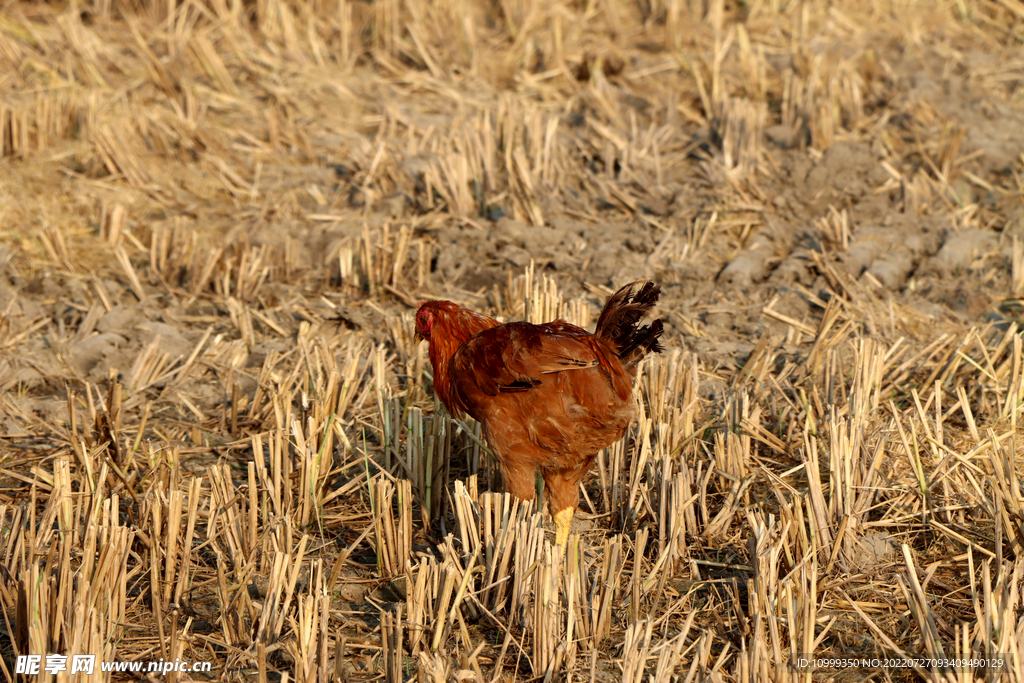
x=219, y=440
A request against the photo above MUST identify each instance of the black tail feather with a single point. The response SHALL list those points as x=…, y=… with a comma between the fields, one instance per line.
x=620, y=319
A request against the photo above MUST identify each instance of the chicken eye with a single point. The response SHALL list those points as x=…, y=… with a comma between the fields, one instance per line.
x=423, y=323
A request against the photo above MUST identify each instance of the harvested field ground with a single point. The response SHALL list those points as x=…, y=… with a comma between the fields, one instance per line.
x=218, y=436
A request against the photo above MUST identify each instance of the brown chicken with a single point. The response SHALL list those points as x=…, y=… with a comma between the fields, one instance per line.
x=549, y=396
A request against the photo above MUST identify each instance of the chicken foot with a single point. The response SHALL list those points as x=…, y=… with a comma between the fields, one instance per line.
x=563, y=521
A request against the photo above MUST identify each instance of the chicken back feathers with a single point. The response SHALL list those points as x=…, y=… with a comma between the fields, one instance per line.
x=549, y=396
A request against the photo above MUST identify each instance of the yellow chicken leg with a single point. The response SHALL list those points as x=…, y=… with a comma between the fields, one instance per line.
x=563, y=520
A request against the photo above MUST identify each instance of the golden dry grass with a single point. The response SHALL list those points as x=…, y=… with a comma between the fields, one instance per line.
x=218, y=437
